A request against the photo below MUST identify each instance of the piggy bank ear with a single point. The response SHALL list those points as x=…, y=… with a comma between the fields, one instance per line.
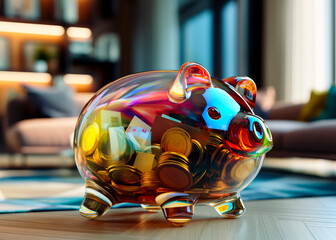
x=245, y=86
x=190, y=77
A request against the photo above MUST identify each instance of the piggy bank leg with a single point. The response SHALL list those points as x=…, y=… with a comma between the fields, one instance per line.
x=230, y=207
x=97, y=201
x=178, y=208
x=151, y=208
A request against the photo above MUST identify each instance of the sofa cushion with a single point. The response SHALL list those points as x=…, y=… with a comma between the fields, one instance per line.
x=45, y=131
x=279, y=128
x=319, y=136
x=329, y=112
x=314, y=106
x=53, y=102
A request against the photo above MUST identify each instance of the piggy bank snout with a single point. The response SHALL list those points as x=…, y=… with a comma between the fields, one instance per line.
x=260, y=131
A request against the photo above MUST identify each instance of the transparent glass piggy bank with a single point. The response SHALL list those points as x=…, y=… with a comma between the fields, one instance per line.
x=168, y=140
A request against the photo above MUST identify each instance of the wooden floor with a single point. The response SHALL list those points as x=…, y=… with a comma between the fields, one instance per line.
x=304, y=218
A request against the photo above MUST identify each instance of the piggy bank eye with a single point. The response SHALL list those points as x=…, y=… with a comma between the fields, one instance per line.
x=214, y=113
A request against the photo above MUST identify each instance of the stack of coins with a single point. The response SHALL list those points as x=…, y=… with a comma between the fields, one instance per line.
x=214, y=141
x=173, y=171
x=216, y=173
x=93, y=166
x=177, y=163
x=149, y=180
x=231, y=169
x=97, y=158
x=97, y=170
x=176, y=140
x=219, y=159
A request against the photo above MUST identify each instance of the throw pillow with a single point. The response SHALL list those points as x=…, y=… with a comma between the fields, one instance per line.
x=330, y=107
x=53, y=102
x=314, y=106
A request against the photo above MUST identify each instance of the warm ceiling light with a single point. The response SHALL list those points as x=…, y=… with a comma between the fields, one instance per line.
x=27, y=77
x=79, y=32
x=78, y=79
x=31, y=28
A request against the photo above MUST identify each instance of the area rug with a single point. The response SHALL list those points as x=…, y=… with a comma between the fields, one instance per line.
x=52, y=190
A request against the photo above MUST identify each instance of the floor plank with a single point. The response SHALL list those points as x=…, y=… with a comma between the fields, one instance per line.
x=304, y=218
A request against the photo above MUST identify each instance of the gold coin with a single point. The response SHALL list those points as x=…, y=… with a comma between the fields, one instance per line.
x=128, y=153
x=242, y=169
x=117, y=140
x=173, y=171
x=96, y=158
x=89, y=139
x=154, y=149
x=214, y=142
x=104, y=146
x=232, y=174
x=104, y=174
x=197, y=190
x=217, y=186
x=215, y=139
x=124, y=174
x=219, y=159
x=123, y=151
x=176, y=140
x=96, y=170
x=125, y=188
x=93, y=166
x=198, y=175
x=225, y=168
x=160, y=190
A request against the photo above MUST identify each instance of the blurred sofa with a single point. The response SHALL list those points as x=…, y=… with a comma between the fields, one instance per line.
x=26, y=132
x=293, y=138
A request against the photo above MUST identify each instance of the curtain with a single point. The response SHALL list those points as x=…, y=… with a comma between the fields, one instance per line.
x=298, y=47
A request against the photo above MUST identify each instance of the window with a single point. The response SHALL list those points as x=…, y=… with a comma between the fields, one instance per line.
x=229, y=22
x=197, y=35
x=223, y=35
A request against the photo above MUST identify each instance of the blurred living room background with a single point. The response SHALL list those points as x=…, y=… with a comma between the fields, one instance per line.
x=46, y=46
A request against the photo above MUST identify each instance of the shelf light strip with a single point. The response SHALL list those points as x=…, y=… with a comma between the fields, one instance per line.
x=24, y=77
x=78, y=79
x=79, y=32
x=32, y=77
x=31, y=28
